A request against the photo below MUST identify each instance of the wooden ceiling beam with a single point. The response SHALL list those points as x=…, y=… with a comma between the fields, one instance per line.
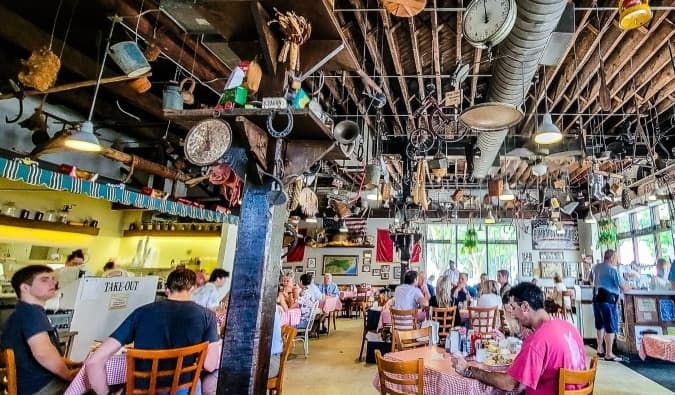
x=515, y=176
x=416, y=56
x=371, y=42
x=396, y=58
x=436, y=53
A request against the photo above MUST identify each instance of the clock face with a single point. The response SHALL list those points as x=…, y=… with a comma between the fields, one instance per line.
x=488, y=21
x=208, y=141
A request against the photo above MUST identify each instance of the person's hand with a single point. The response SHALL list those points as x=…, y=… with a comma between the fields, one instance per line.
x=459, y=363
x=72, y=373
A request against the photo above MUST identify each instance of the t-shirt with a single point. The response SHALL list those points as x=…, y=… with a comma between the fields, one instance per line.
x=26, y=321
x=207, y=296
x=306, y=302
x=167, y=324
x=607, y=277
x=316, y=292
x=555, y=344
x=406, y=296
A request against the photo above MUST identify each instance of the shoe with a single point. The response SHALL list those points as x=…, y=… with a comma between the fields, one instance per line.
x=323, y=330
x=601, y=354
x=614, y=359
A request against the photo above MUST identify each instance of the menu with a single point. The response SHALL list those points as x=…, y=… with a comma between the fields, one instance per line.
x=645, y=310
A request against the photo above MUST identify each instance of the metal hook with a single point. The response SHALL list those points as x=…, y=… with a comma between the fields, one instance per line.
x=19, y=94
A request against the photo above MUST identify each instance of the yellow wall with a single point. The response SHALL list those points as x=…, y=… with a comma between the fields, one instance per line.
x=177, y=248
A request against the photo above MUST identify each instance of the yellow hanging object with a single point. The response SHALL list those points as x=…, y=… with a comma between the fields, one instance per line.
x=634, y=13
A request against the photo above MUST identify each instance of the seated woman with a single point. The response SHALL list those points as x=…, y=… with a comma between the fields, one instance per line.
x=443, y=298
x=305, y=302
x=557, y=301
x=288, y=291
x=489, y=297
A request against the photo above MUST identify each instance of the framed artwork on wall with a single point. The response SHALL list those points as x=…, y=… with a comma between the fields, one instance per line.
x=385, y=276
x=397, y=272
x=550, y=269
x=311, y=263
x=311, y=273
x=340, y=265
x=299, y=269
x=527, y=269
x=376, y=272
x=385, y=268
x=366, y=261
x=365, y=268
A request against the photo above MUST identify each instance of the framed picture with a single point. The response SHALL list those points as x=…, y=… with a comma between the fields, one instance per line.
x=397, y=272
x=311, y=273
x=287, y=269
x=311, y=263
x=365, y=268
x=299, y=269
x=385, y=276
x=385, y=268
x=376, y=272
x=340, y=265
x=366, y=261
x=367, y=254
x=550, y=269
x=527, y=269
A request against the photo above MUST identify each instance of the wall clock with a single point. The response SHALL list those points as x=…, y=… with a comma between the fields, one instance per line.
x=208, y=141
x=488, y=22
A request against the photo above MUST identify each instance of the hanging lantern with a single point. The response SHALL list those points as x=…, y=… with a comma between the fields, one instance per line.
x=372, y=176
x=634, y=13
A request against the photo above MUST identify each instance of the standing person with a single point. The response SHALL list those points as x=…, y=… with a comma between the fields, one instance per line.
x=505, y=287
x=208, y=295
x=40, y=367
x=660, y=280
x=329, y=288
x=607, y=284
x=553, y=344
x=432, y=291
x=170, y=323
x=452, y=273
x=73, y=270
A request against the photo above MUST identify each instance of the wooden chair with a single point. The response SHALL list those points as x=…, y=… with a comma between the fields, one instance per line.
x=503, y=325
x=155, y=378
x=578, y=377
x=564, y=309
x=445, y=316
x=411, y=338
x=483, y=319
x=403, y=319
x=360, y=300
x=367, y=327
x=275, y=384
x=8, y=372
x=399, y=376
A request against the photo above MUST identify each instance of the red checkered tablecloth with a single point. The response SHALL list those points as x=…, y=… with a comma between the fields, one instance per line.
x=116, y=373
x=658, y=346
x=290, y=317
x=329, y=304
x=440, y=377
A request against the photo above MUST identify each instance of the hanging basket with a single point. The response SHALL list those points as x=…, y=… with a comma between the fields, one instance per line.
x=40, y=69
x=495, y=187
x=404, y=8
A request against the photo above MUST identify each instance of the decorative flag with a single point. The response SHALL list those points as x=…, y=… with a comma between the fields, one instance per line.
x=356, y=225
x=385, y=246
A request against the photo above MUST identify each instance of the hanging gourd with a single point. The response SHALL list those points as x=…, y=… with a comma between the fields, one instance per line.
x=634, y=13
x=404, y=8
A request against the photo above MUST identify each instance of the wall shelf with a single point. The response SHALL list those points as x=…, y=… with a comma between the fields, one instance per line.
x=172, y=233
x=55, y=226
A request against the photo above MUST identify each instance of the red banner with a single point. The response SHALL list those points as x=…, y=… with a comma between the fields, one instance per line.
x=385, y=246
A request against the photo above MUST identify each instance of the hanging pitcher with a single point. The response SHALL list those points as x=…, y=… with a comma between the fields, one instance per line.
x=171, y=97
x=187, y=92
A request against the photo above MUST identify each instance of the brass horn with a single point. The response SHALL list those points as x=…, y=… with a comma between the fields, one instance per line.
x=346, y=133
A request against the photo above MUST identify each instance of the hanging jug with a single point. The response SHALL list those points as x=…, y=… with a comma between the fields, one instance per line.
x=187, y=91
x=171, y=97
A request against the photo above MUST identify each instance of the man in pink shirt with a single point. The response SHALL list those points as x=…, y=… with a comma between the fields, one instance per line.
x=553, y=344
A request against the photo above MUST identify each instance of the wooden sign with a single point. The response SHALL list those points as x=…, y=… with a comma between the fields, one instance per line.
x=545, y=237
x=453, y=98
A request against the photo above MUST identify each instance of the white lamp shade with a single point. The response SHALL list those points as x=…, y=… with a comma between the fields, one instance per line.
x=539, y=169
x=507, y=194
x=590, y=219
x=84, y=139
x=547, y=132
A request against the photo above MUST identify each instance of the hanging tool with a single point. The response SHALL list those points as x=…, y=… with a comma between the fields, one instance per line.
x=19, y=94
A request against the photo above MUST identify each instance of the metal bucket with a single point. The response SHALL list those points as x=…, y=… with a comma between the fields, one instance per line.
x=129, y=58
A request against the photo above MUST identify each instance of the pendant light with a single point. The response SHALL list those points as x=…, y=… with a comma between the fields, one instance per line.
x=590, y=218
x=490, y=219
x=506, y=195
x=547, y=133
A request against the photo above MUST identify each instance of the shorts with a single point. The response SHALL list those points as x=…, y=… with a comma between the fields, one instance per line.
x=605, y=317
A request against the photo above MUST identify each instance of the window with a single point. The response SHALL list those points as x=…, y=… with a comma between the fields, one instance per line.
x=646, y=248
x=626, y=252
x=622, y=223
x=666, y=245
x=643, y=219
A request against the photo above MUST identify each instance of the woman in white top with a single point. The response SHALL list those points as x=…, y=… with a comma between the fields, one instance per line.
x=208, y=295
x=558, y=288
x=489, y=297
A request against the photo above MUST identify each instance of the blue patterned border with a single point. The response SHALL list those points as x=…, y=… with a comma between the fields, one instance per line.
x=31, y=173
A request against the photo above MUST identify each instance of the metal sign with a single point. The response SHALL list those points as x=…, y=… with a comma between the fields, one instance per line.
x=545, y=237
x=453, y=98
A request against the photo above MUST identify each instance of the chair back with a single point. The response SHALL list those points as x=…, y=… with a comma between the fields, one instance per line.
x=275, y=384
x=503, y=325
x=585, y=378
x=400, y=377
x=445, y=316
x=411, y=338
x=183, y=361
x=8, y=369
x=569, y=293
x=403, y=319
x=483, y=319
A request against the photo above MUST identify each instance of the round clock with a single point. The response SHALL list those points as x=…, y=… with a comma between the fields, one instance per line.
x=208, y=141
x=488, y=22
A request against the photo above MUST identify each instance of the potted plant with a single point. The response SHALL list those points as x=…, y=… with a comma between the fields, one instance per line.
x=607, y=236
x=470, y=243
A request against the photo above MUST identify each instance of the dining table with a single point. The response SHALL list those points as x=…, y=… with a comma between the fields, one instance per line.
x=658, y=346
x=290, y=317
x=440, y=377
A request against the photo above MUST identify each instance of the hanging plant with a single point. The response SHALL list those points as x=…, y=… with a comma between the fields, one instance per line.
x=470, y=243
x=607, y=235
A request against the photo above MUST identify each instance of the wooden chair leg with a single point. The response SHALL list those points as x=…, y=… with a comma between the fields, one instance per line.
x=363, y=342
x=334, y=314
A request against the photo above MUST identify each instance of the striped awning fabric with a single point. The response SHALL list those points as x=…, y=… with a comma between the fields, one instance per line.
x=30, y=173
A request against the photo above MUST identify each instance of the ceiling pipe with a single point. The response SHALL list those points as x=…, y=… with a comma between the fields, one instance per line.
x=514, y=69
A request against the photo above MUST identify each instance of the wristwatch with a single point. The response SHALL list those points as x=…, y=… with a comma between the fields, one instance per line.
x=468, y=373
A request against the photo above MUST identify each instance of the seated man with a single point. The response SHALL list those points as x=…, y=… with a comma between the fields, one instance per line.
x=40, y=368
x=329, y=288
x=171, y=323
x=553, y=344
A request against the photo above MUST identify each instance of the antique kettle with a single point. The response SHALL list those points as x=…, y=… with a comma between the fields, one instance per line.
x=187, y=91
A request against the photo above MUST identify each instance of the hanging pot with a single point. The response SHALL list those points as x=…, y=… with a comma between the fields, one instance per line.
x=140, y=85
x=187, y=92
x=129, y=58
x=172, y=99
x=372, y=176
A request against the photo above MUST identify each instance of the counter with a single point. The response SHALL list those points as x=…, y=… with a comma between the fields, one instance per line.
x=586, y=317
x=645, y=312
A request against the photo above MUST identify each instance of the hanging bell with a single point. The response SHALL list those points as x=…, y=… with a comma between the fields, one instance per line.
x=634, y=13
x=372, y=176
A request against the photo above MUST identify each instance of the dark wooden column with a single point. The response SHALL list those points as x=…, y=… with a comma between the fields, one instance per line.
x=245, y=356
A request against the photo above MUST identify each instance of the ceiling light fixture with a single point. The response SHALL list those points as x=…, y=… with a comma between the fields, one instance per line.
x=547, y=133
x=507, y=195
x=311, y=219
x=490, y=219
x=590, y=218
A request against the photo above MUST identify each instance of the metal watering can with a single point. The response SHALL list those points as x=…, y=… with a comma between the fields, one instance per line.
x=172, y=99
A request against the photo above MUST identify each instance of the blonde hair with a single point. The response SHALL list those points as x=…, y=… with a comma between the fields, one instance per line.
x=443, y=291
x=489, y=287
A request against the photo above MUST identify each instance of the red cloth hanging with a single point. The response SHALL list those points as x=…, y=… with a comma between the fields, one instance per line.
x=298, y=253
x=416, y=252
x=385, y=246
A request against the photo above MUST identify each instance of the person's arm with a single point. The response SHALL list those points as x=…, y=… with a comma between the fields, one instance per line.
x=95, y=367
x=498, y=380
x=48, y=356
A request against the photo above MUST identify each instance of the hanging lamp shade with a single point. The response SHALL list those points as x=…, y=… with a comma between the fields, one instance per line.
x=84, y=139
x=490, y=219
x=372, y=176
x=507, y=195
x=547, y=132
x=590, y=218
x=634, y=13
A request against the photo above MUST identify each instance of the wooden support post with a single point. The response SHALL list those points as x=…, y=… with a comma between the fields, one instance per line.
x=244, y=361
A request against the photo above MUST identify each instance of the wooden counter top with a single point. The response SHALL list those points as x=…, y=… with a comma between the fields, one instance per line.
x=645, y=292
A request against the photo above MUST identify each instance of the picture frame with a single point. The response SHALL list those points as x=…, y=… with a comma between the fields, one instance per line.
x=341, y=265
x=311, y=263
x=376, y=272
x=397, y=272
x=365, y=268
x=385, y=268
x=299, y=269
x=312, y=273
x=384, y=276
x=366, y=261
x=550, y=269
x=527, y=269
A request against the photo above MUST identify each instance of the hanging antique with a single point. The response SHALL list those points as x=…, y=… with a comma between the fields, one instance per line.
x=296, y=30
x=634, y=13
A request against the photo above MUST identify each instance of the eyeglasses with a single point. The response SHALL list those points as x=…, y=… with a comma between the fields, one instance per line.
x=512, y=305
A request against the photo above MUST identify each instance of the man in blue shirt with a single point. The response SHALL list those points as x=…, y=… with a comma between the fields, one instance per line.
x=171, y=323
x=607, y=285
x=40, y=368
x=328, y=287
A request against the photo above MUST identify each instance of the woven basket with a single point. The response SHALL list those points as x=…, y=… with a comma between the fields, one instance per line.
x=404, y=8
x=495, y=187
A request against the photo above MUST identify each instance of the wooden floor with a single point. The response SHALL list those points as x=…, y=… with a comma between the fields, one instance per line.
x=332, y=368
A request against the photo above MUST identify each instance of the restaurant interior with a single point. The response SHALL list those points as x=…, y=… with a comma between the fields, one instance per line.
x=348, y=142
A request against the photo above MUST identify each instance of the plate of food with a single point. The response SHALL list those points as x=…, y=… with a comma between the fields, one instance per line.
x=498, y=360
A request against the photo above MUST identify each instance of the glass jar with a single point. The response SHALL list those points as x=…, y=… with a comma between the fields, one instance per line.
x=9, y=209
